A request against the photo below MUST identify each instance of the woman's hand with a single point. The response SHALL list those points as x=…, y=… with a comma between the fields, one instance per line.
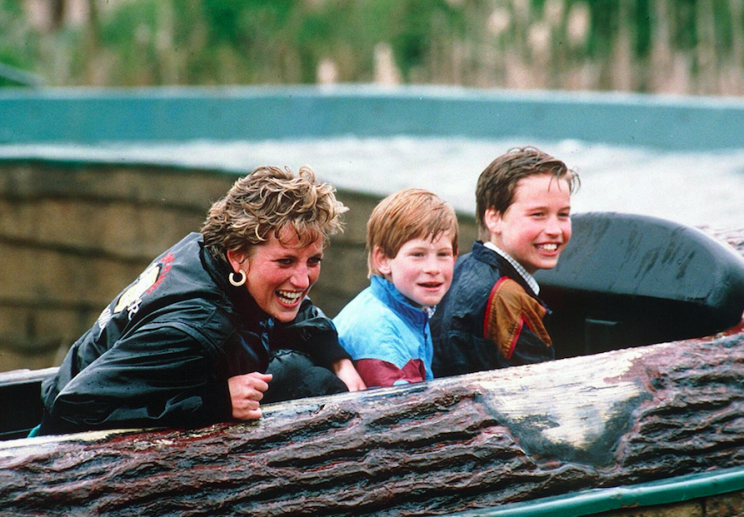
x=344, y=370
x=245, y=393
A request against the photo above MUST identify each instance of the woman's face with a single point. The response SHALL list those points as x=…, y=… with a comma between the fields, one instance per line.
x=279, y=276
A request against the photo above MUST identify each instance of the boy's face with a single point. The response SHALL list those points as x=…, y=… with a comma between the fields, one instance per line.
x=422, y=269
x=536, y=227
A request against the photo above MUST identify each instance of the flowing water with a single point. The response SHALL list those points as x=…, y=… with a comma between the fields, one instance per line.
x=695, y=188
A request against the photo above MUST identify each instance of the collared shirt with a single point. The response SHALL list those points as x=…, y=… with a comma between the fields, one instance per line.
x=521, y=270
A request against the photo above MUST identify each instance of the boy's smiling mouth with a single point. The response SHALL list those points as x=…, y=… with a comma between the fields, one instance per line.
x=548, y=247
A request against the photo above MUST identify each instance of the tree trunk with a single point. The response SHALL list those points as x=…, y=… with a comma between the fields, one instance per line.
x=453, y=444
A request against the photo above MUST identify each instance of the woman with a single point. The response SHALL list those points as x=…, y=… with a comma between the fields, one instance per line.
x=185, y=345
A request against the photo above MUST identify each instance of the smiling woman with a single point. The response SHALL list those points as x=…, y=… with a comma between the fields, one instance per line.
x=217, y=324
x=279, y=273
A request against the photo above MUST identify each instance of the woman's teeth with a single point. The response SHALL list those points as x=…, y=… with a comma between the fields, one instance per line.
x=289, y=296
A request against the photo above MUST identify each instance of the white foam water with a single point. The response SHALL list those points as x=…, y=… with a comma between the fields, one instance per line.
x=698, y=188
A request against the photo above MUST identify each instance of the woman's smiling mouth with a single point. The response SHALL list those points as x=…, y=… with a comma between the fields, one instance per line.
x=290, y=297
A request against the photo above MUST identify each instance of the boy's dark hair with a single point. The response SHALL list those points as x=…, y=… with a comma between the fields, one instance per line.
x=498, y=182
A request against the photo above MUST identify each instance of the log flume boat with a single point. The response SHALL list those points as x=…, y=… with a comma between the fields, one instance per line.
x=647, y=399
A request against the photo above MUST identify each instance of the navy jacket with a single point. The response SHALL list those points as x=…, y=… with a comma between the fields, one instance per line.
x=161, y=353
x=490, y=318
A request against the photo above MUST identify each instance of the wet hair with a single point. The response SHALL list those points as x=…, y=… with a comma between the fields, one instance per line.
x=409, y=214
x=265, y=203
x=498, y=182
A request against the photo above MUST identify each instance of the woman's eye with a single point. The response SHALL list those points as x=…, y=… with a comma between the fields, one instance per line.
x=314, y=261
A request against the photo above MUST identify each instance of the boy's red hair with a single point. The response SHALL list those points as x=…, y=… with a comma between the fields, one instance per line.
x=412, y=213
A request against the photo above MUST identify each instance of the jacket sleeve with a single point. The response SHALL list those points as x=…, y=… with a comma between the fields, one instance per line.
x=514, y=322
x=312, y=333
x=463, y=352
x=161, y=376
x=378, y=373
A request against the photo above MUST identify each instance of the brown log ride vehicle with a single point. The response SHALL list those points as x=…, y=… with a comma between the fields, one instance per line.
x=645, y=406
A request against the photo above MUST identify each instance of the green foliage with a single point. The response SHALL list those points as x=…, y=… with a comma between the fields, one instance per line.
x=18, y=45
x=603, y=28
x=642, y=22
x=471, y=42
x=130, y=37
x=685, y=37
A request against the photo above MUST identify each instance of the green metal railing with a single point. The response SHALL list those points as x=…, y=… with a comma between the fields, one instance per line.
x=666, y=491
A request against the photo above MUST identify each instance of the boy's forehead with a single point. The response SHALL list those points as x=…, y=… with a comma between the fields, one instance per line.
x=429, y=237
x=443, y=238
x=439, y=240
x=544, y=182
x=541, y=186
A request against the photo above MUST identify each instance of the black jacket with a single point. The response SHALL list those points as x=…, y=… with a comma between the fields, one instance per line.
x=459, y=325
x=161, y=353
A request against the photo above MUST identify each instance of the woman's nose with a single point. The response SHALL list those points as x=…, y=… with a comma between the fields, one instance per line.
x=301, y=277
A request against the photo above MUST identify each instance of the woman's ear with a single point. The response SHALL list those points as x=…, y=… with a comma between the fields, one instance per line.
x=237, y=260
x=492, y=220
x=381, y=261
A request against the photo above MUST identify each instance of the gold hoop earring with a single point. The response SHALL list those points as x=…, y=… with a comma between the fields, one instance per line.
x=237, y=283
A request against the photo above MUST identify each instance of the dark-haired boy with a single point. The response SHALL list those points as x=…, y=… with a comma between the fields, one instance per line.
x=492, y=316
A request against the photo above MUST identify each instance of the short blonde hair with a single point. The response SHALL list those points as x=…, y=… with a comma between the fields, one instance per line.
x=409, y=214
x=268, y=201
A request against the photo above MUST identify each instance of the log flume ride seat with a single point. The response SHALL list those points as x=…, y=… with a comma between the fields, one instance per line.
x=631, y=280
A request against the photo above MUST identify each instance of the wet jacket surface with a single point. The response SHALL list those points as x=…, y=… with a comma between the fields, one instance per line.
x=388, y=338
x=490, y=318
x=162, y=352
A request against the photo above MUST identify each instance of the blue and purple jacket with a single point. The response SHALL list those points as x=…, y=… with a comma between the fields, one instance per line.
x=388, y=338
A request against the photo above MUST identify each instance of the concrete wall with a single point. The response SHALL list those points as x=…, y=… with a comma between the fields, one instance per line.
x=72, y=235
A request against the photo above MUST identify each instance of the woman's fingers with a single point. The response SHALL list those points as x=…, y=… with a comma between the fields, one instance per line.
x=245, y=393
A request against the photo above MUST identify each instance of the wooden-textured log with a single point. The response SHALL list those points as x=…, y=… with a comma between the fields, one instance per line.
x=480, y=440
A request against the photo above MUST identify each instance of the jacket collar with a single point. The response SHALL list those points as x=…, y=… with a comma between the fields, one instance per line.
x=390, y=296
x=490, y=257
x=516, y=265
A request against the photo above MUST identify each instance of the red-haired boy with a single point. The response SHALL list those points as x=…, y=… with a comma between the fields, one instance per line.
x=411, y=250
